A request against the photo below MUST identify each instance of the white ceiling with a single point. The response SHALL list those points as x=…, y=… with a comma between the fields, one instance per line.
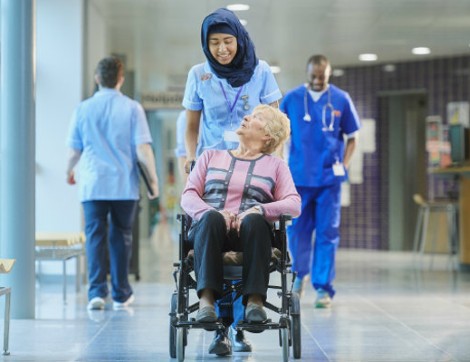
x=162, y=37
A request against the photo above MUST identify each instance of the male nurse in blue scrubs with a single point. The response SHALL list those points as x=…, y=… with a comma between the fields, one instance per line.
x=324, y=128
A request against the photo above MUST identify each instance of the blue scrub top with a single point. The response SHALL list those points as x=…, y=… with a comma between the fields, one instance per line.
x=313, y=151
x=216, y=97
x=106, y=129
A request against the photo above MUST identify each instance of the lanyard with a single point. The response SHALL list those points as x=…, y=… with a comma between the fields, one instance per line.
x=231, y=107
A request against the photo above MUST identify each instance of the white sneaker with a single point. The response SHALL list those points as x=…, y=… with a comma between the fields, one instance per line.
x=96, y=303
x=323, y=299
x=122, y=305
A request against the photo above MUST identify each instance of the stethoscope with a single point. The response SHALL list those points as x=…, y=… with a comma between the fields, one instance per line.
x=326, y=107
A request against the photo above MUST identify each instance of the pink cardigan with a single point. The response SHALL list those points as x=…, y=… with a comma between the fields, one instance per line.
x=222, y=181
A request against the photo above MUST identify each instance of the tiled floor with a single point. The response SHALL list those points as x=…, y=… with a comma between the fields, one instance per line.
x=385, y=310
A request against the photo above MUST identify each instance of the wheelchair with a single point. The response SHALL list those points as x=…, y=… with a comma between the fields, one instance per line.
x=288, y=305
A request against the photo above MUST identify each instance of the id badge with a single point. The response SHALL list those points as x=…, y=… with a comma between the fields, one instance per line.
x=230, y=136
x=338, y=169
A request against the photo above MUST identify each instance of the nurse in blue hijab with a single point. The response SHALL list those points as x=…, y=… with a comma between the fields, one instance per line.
x=218, y=94
x=236, y=61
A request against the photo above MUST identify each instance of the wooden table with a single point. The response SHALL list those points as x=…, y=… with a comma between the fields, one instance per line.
x=464, y=210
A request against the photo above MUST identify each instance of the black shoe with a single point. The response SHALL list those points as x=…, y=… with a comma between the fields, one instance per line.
x=239, y=342
x=221, y=345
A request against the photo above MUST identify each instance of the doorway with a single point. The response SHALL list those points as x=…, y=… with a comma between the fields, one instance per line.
x=403, y=160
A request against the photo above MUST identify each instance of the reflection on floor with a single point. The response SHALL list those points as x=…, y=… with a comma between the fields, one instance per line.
x=385, y=310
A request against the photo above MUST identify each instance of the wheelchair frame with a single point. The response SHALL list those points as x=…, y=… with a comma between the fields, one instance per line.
x=289, y=310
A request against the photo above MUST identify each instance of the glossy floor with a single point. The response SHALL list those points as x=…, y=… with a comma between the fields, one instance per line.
x=386, y=309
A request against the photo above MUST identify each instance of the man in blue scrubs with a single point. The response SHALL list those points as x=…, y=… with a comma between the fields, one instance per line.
x=322, y=116
x=108, y=134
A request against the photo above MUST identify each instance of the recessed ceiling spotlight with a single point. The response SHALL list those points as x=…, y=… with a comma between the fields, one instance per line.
x=238, y=7
x=421, y=51
x=243, y=22
x=275, y=69
x=389, y=68
x=338, y=72
x=368, y=57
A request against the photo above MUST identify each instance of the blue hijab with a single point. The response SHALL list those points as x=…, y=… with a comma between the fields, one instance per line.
x=243, y=65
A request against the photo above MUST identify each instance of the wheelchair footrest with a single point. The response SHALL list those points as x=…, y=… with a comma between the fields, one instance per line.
x=259, y=327
x=194, y=324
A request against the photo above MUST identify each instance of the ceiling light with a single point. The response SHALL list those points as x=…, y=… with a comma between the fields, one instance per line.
x=243, y=22
x=238, y=7
x=389, y=68
x=338, y=72
x=275, y=69
x=368, y=57
x=421, y=51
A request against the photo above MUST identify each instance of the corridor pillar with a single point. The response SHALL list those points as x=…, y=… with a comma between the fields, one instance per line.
x=17, y=157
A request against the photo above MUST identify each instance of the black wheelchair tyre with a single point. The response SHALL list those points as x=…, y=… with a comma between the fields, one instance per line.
x=295, y=327
x=174, y=303
x=296, y=336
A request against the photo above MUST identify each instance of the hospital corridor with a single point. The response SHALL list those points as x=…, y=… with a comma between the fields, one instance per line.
x=344, y=123
x=390, y=306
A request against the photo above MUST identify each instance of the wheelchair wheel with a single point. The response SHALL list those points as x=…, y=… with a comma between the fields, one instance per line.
x=173, y=304
x=180, y=334
x=285, y=344
x=295, y=335
x=295, y=327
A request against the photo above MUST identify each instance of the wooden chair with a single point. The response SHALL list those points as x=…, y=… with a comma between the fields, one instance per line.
x=5, y=267
x=450, y=208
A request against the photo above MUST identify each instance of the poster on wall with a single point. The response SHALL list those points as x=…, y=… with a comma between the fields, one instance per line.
x=366, y=144
x=437, y=144
x=458, y=113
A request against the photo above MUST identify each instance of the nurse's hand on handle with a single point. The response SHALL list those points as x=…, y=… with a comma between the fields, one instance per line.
x=188, y=165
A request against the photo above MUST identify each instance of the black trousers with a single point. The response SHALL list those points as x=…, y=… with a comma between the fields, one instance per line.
x=210, y=239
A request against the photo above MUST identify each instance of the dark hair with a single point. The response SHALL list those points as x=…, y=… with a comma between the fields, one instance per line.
x=317, y=59
x=108, y=71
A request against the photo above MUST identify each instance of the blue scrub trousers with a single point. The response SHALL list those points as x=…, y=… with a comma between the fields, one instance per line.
x=118, y=235
x=321, y=212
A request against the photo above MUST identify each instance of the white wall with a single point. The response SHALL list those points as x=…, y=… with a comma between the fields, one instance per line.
x=96, y=46
x=59, y=90
x=64, y=55
x=65, y=64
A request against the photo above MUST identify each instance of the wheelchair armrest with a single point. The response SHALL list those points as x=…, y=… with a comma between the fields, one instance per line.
x=185, y=221
x=284, y=220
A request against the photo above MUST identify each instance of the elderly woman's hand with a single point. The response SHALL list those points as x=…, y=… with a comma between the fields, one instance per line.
x=229, y=218
x=239, y=219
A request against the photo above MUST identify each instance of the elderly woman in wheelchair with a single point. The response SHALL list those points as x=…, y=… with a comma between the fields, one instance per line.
x=233, y=198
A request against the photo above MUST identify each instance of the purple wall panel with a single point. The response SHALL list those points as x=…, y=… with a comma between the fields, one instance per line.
x=445, y=80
